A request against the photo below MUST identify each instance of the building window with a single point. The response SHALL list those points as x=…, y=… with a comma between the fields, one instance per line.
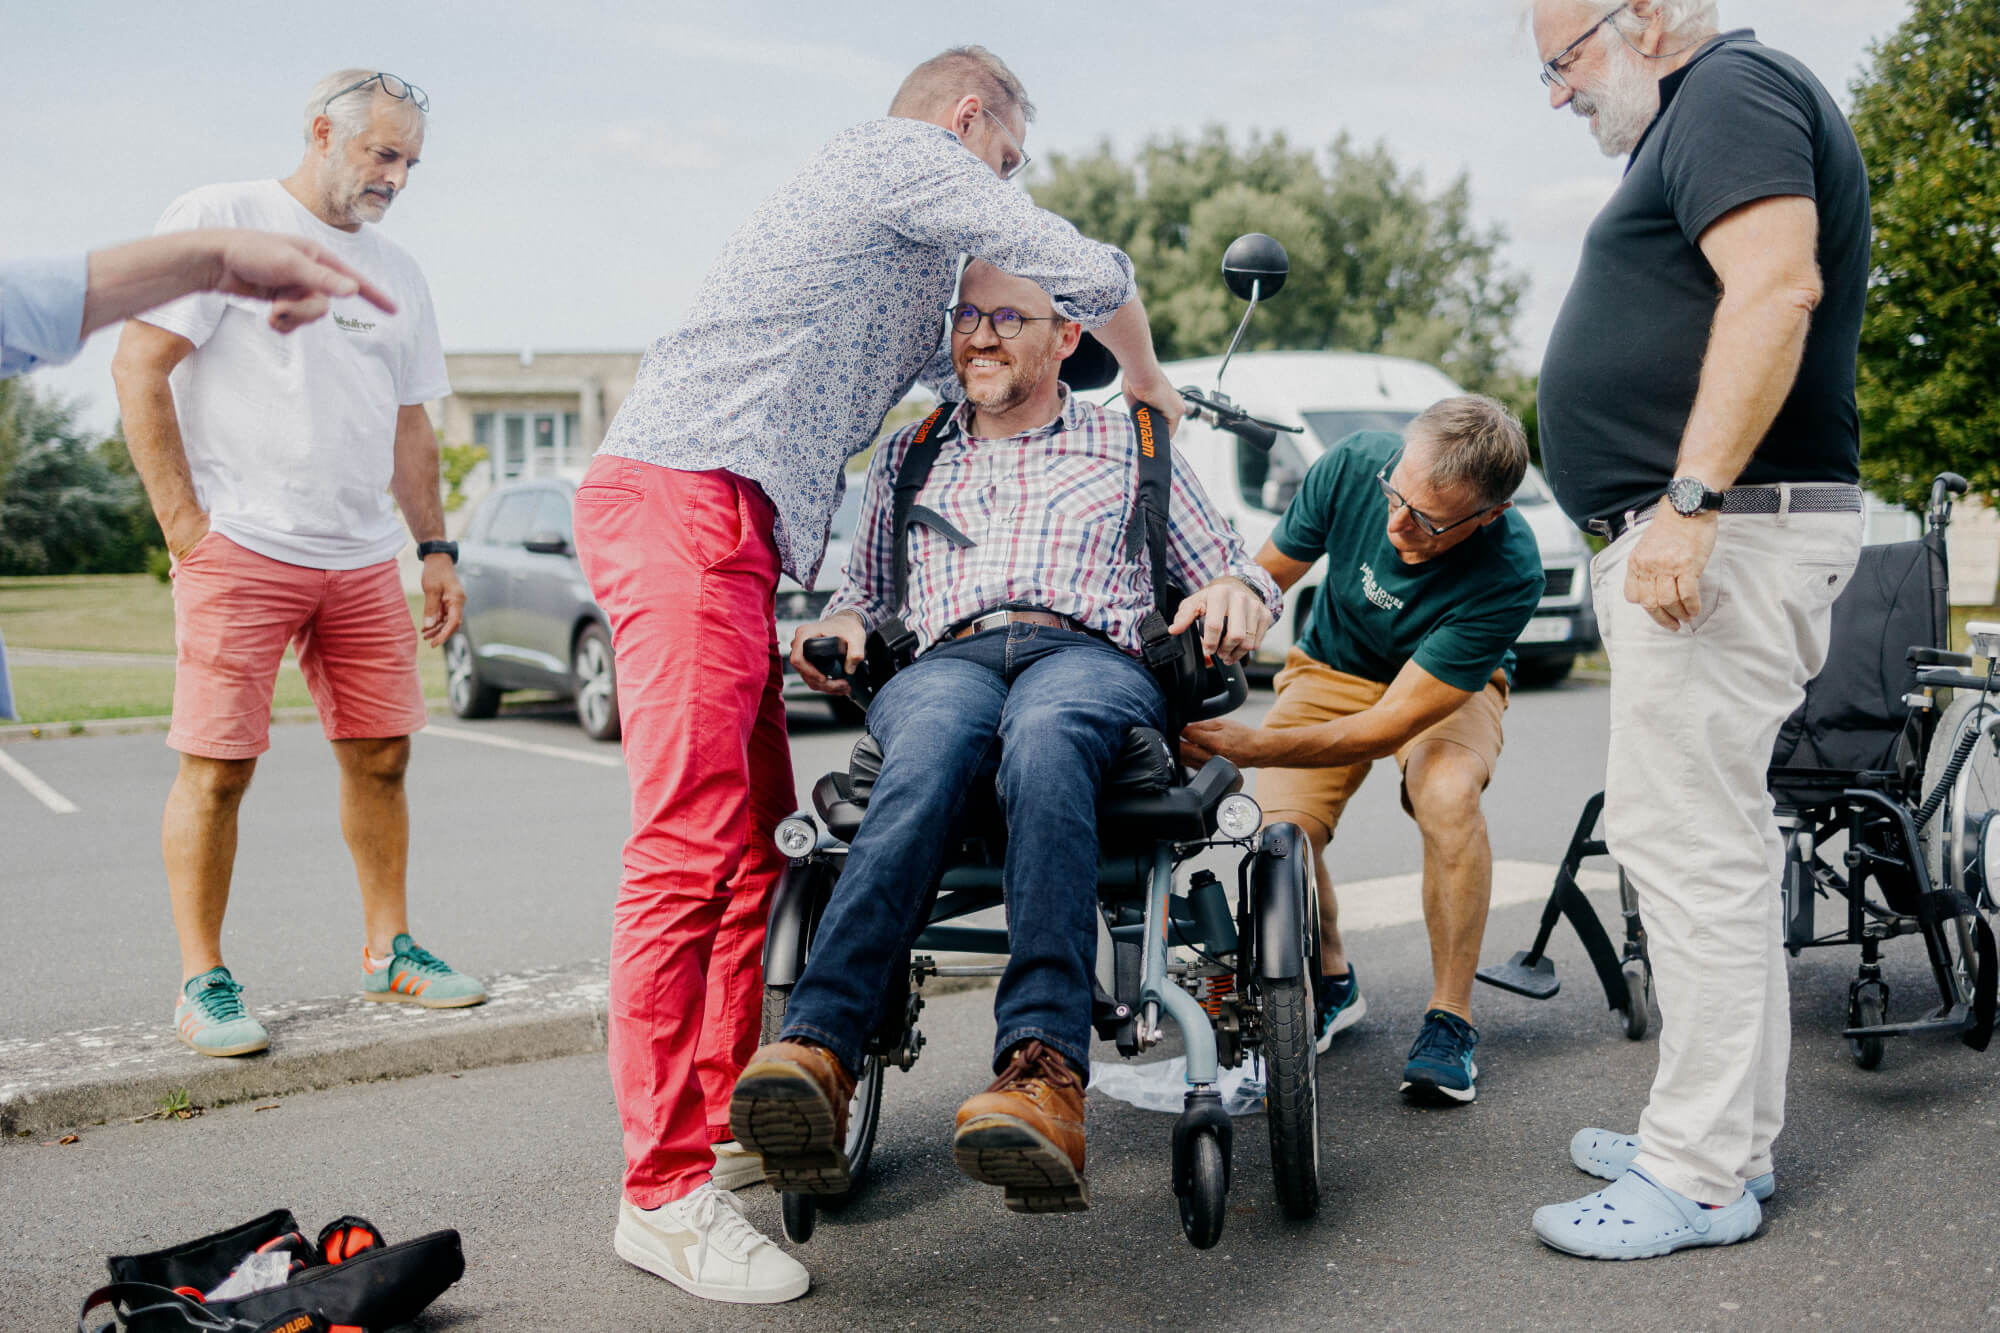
x=530, y=444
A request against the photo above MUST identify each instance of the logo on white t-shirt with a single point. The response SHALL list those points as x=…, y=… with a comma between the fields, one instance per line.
x=1375, y=592
x=353, y=325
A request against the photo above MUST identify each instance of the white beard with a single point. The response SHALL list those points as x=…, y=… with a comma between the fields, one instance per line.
x=1624, y=107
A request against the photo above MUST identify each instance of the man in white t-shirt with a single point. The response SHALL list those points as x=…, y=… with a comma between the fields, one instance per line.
x=275, y=465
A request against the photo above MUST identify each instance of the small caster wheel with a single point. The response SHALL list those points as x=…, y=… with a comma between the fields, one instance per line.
x=801, y=1215
x=1202, y=1206
x=1638, y=997
x=1867, y=1006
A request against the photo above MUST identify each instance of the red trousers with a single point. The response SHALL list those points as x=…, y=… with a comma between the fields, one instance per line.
x=686, y=566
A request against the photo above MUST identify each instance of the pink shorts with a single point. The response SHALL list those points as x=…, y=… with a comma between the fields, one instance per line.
x=234, y=612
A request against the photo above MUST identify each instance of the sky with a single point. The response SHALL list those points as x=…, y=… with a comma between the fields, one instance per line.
x=586, y=160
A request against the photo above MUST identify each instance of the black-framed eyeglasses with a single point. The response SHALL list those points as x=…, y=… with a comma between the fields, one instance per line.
x=400, y=89
x=1021, y=158
x=1552, y=68
x=1006, y=321
x=1423, y=520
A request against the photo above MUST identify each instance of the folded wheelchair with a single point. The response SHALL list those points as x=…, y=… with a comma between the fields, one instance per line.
x=1886, y=781
x=1234, y=976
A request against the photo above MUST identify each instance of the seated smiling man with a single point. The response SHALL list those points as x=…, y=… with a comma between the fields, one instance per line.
x=1407, y=653
x=1028, y=612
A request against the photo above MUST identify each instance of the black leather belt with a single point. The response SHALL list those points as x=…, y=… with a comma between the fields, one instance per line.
x=1783, y=498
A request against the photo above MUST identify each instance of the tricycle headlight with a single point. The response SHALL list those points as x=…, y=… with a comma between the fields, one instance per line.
x=797, y=836
x=1238, y=816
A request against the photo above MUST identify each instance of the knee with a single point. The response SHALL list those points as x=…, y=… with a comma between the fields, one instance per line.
x=216, y=781
x=1445, y=785
x=377, y=761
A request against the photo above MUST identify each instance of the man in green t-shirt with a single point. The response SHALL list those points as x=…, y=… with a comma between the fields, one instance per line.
x=1429, y=581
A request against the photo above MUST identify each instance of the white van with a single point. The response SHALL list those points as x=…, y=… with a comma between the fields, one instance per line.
x=1332, y=395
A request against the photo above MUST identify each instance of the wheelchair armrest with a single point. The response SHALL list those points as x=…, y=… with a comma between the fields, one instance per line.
x=1950, y=679
x=1931, y=657
x=1217, y=779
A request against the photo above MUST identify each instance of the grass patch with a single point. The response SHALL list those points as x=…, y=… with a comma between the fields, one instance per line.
x=96, y=613
x=123, y=613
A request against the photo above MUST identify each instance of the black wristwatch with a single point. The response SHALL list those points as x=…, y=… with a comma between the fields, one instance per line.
x=1690, y=496
x=425, y=550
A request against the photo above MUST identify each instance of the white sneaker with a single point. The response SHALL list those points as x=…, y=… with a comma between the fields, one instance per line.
x=705, y=1246
x=736, y=1167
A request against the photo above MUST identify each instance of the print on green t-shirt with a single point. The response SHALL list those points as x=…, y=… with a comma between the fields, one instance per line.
x=1456, y=616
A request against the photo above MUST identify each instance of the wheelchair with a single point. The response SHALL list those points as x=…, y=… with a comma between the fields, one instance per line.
x=1240, y=988
x=1886, y=781
x=1235, y=978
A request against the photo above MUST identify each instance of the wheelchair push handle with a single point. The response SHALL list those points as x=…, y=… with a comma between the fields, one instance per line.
x=828, y=656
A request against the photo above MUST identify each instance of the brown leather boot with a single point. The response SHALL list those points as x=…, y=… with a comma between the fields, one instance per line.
x=790, y=1108
x=1025, y=1133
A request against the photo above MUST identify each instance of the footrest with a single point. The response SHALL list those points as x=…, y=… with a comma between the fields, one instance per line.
x=1954, y=1020
x=1535, y=980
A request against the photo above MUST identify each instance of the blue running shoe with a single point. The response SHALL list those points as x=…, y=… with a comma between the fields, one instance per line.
x=1340, y=1007
x=1440, y=1071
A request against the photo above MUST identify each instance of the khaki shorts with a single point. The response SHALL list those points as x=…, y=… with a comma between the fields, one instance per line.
x=1310, y=692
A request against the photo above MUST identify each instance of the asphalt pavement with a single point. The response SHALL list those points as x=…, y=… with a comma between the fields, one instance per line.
x=1884, y=1218
x=516, y=825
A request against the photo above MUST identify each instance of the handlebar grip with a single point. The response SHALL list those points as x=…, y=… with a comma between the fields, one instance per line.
x=1954, y=483
x=1235, y=690
x=1253, y=433
x=828, y=656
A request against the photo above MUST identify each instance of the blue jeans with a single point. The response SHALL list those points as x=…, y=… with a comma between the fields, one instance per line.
x=1043, y=712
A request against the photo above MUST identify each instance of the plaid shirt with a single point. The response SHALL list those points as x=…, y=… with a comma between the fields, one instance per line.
x=1047, y=511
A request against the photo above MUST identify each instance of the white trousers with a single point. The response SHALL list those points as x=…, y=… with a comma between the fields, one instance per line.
x=1689, y=817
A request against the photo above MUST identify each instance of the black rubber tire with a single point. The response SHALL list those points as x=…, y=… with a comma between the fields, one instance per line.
x=592, y=671
x=470, y=697
x=1638, y=998
x=801, y=1212
x=1868, y=1007
x=1205, y=1205
x=864, y=1113
x=1291, y=1097
x=1291, y=1064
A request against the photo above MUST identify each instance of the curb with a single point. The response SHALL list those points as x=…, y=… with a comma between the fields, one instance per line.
x=97, y=1075
x=124, y=726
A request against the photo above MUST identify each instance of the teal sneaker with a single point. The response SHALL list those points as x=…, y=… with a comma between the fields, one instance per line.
x=418, y=976
x=1440, y=1071
x=1340, y=1007
x=211, y=1019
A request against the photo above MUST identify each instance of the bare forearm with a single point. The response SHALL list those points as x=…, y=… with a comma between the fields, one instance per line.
x=1753, y=359
x=1357, y=739
x=1128, y=336
x=127, y=279
x=415, y=484
x=153, y=438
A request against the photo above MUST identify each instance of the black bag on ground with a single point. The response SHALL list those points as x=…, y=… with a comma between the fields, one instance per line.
x=349, y=1276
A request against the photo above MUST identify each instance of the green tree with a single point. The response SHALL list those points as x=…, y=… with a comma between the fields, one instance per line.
x=1379, y=263
x=67, y=506
x=1928, y=118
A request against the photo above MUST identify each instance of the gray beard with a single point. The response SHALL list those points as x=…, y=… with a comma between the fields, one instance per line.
x=1625, y=107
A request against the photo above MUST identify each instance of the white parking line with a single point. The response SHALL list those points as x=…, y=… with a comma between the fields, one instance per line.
x=526, y=747
x=37, y=788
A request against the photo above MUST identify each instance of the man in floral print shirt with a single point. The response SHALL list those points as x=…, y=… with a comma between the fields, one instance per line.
x=722, y=468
